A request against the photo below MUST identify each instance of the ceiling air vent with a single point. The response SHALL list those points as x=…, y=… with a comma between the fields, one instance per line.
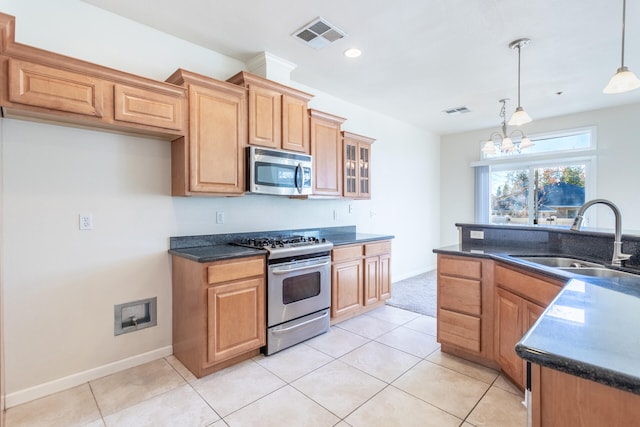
x=319, y=33
x=457, y=110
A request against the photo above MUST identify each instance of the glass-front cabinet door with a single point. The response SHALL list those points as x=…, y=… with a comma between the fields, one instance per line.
x=357, y=166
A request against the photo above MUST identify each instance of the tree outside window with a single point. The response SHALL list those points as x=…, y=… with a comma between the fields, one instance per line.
x=542, y=195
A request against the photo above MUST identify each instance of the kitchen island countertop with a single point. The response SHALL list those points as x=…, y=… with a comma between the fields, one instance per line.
x=589, y=330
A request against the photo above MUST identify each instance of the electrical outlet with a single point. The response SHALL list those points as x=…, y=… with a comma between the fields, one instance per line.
x=350, y=208
x=86, y=221
x=476, y=234
x=220, y=217
x=335, y=214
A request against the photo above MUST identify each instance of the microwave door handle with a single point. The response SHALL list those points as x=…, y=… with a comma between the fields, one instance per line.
x=299, y=178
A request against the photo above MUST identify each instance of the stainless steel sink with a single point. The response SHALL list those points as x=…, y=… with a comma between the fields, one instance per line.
x=559, y=262
x=599, y=272
x=577, y=266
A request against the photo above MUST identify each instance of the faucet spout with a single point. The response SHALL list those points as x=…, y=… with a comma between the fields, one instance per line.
x=618, y=256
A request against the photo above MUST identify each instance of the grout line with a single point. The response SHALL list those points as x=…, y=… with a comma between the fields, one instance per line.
x=481, y=397
x=96, y=402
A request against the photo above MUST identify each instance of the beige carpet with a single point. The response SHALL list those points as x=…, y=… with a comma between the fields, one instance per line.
x=417, y=294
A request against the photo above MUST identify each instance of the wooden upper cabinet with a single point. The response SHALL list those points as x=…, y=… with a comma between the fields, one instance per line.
x=210, y=160
x=295, y=124
x=135, y=105
x=277, y=114
x=43, y=85
x=265, y=116
x=326, y=149
x=47, y=87
x=357, y=165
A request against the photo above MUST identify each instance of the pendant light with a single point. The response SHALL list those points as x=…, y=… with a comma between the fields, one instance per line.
x=520, y=116
x=623, y=80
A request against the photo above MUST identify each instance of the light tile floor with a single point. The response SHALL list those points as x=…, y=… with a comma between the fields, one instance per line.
x=383, y=368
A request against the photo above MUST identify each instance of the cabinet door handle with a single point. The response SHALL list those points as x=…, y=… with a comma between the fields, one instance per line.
x=285, y=271
x=281, y=331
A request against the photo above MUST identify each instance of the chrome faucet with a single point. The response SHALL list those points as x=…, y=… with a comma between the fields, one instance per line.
x=618, y=256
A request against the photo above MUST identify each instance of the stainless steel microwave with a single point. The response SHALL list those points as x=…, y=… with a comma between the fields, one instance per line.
x=278, y=172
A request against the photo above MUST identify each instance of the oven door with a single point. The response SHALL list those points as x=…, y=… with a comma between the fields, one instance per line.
x=298, y=288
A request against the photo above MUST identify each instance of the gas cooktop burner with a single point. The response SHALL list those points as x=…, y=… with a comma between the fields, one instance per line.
x=287, y=246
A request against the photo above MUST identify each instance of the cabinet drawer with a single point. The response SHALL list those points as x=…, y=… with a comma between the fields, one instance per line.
x=225, y=271
x=377, y=248
x=460, y=266
x=344, y=253
x=461, y=295
x=459, y=329
x=56, y=89
x=135, y=105
x=529, y=287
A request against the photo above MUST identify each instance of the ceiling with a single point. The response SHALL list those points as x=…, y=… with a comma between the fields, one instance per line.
x=421, y=57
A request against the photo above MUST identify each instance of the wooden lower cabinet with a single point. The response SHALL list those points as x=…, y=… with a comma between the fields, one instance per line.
x=559, y=400
x=233, y=313
x=347, y=289
x=514, y=317
x=377, y=272
x=465, y=301
x=486, y=307
x=218, y=312
x=360, y=278
x=520, y=298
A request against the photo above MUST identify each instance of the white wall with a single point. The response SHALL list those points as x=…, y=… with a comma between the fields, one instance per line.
x=618, y=152
x=60, y=284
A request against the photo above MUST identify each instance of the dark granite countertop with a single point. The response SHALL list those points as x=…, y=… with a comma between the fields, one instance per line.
x=215, y=252
x=216, y=247
x=589, y=330
x=351, y=238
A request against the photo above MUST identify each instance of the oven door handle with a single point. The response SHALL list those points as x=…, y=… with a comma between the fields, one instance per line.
x=285, y=271
x=306, y=322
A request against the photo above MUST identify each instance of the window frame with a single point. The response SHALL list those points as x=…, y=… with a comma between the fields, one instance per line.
x=484, y=168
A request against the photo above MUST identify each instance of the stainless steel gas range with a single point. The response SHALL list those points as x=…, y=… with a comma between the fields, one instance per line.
x=298, y=288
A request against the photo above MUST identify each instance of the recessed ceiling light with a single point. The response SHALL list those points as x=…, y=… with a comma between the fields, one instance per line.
x=354, y=52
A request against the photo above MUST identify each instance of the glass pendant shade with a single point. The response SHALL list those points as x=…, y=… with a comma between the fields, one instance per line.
x=622, y=81
x=525, y=143
x=507, y=144
x=489, y=147
x=519, y=117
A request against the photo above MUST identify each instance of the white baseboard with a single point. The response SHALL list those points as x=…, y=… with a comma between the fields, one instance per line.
x=41, y=390
x=397, y=278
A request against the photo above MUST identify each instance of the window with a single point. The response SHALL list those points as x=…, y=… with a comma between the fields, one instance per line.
x=546, y=185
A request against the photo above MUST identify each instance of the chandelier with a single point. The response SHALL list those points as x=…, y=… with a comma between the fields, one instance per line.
x=504, y=142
